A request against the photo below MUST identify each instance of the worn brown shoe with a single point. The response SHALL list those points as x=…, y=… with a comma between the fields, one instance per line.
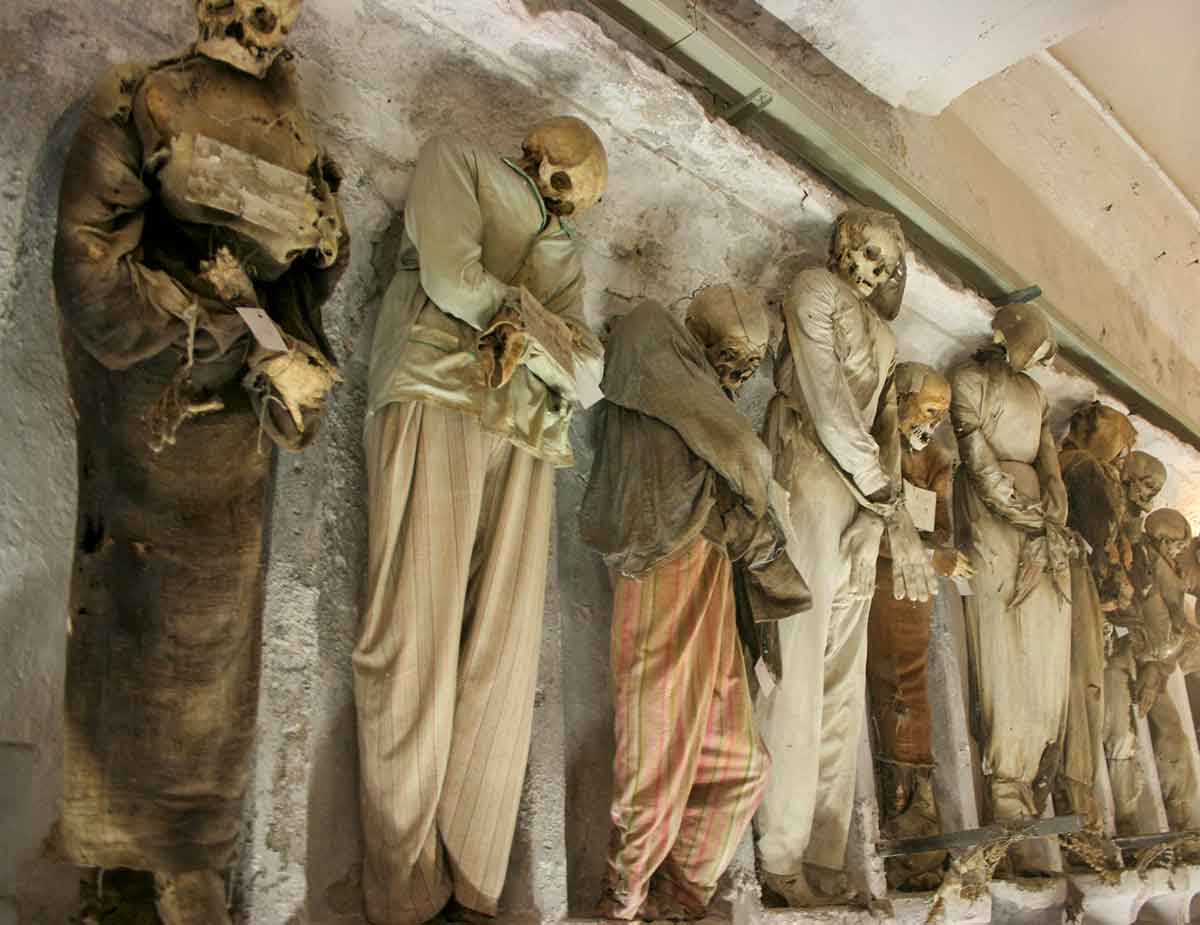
x=814, y=886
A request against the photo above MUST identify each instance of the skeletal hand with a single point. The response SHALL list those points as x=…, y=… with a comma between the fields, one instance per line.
x=1148, y=687
x=962, y=566
x=503, y=343
x=913, y=576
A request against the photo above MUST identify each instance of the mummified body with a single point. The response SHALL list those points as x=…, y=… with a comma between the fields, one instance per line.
x=678, y=492
x=466, y=422
x=158, y=241
x=1010, y=516
x=1097, y=444
x=1160, y=635
x=832, y=430
x=898, y=637
x=1133, y=672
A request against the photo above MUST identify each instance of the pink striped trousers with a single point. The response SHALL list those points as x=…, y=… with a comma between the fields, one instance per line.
x=690, y=768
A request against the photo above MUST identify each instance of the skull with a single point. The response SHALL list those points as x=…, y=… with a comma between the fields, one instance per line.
x=1025, y=334
x=566, y=160
x=923, y=395
x=1143, y=477
x=1104, y=432
x=245, y=34
x=732, y=325
x=867, y=251
x=1169, y=531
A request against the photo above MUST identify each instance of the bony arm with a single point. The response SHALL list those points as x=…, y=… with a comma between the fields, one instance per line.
x=913, y=575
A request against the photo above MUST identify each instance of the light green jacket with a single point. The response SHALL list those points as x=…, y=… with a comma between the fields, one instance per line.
x=474, y=224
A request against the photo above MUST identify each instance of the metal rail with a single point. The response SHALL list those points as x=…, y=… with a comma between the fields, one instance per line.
x=1056, y=825
x=756, y=92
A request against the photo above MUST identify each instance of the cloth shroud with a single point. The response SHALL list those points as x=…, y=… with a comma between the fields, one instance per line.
x=666, y=437
x=166, y=596
x=1019, y=619
x=1096, y=504
x=689, y=767
x=474, y=225
x=898, y=678
x=1160, y=593
x=899, y=630
x=1121, y=736
x=446, y=663
x=832, y=432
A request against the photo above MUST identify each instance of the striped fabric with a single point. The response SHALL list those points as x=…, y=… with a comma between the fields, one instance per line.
x=690, y=768
x=446, y=663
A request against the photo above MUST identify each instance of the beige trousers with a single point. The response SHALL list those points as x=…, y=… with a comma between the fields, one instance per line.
x=446, y=663
x=812, y=722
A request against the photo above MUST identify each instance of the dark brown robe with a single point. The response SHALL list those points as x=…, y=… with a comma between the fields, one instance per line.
x=163, y=644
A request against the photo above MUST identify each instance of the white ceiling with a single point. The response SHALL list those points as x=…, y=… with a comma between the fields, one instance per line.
x=1142, y=61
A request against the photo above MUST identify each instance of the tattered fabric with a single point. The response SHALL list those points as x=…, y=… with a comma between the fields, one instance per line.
x=167, y=590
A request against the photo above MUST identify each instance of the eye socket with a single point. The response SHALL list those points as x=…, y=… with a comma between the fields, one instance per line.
x=871, y=252
x=263, y=19
x=560, y=180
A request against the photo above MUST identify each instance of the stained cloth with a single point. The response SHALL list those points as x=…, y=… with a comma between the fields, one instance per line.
x=670, y=449
x=832, y=431
x=1121, y=737
x=899, y=630
x=446, y=662
x=163, y=645
x=1160, y=602
x=1096, y=507
x=898, y=633
x=1019, y=619
x=689, y=768
x=475, y=225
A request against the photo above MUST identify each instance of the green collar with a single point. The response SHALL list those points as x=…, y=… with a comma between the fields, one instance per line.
x=537, y=194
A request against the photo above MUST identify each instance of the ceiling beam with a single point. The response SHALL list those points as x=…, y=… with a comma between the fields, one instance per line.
x=734, y=73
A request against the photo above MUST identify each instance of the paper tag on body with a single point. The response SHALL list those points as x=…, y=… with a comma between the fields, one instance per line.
x=922, y=506
x=964, y=587
x=588, y=373
x=766, y=680
x=263, y=329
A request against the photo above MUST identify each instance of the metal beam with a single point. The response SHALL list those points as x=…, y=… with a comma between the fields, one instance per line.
x=1055, y=825
x=730, y=69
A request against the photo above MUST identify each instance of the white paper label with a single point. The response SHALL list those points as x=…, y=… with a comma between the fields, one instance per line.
x=766, y=681
x=964, y=587
x=922, y=506
x=263, y=329
x=588, y=373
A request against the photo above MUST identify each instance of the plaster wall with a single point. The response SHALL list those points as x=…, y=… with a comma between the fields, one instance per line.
x=691, y=201
x=923, y=54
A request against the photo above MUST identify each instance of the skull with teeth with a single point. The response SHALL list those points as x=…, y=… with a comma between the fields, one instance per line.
x=732, y=325
x=567, y=161
x=867, y=251
x=923, y=395
x=246, y=34
x=1143, y=477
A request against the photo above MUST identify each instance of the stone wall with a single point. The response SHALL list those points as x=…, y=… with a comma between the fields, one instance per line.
x=691, y=201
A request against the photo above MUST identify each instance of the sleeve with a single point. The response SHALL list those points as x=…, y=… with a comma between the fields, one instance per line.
x=567, y=302
x=444, y=221
x=295, y=300
x=886, y=431
x=809, y=316
x=120, y=310
x=993, y=485
x=650, y=371
x=1054, y=492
